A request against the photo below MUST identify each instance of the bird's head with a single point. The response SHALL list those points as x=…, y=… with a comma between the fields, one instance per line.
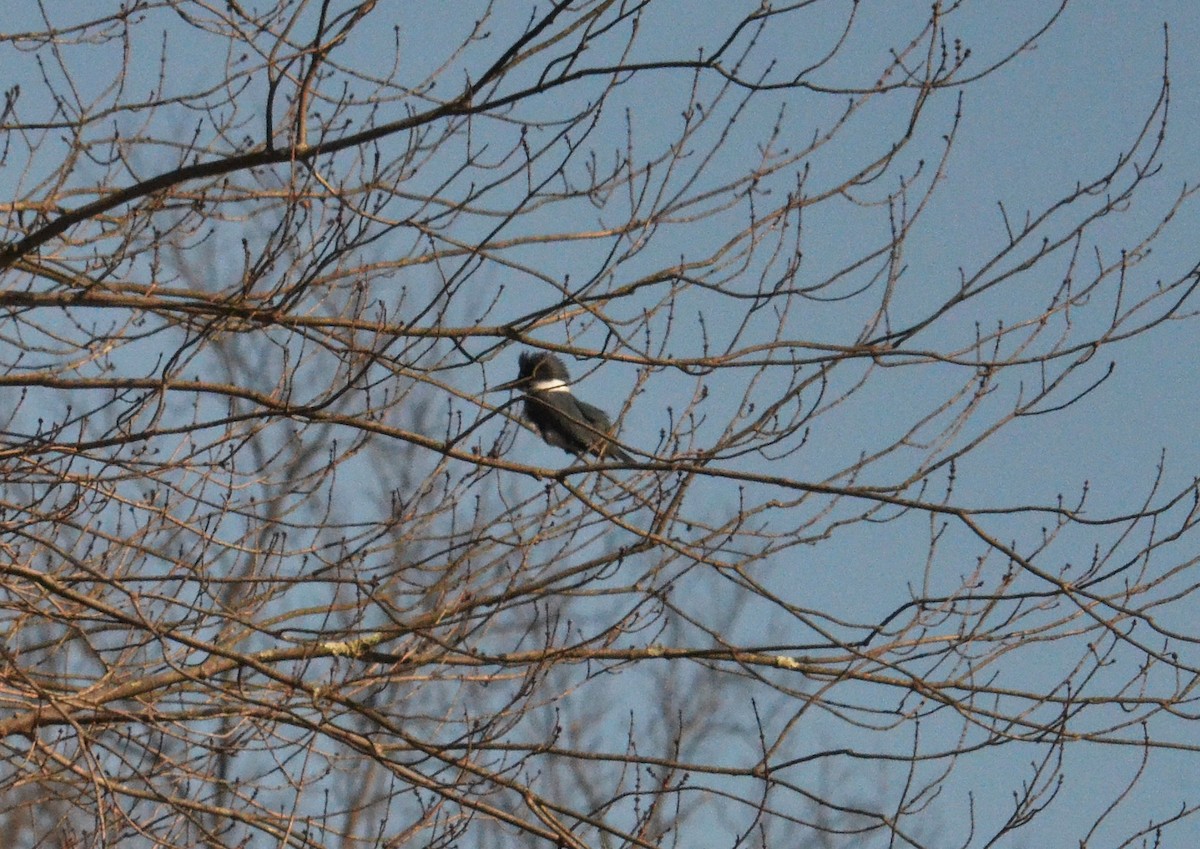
x=539, y=371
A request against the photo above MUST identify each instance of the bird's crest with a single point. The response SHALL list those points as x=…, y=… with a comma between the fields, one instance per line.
x=544, y=371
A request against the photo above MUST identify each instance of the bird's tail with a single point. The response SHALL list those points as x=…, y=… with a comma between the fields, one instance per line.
x=612, y=451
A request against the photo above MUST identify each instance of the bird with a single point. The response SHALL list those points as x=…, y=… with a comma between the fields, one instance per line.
x=561, y=419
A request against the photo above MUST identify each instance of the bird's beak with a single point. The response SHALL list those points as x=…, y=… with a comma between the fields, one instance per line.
x=512, y=384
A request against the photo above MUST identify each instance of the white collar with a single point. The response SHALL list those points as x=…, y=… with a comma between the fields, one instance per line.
x=551, y=385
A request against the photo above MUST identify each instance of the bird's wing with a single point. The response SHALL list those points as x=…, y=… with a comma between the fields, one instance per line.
x=595, y=418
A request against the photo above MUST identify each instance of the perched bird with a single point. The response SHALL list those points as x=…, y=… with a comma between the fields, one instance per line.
x=558, y=416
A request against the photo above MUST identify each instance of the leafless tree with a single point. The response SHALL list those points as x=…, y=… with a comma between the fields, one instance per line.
x=278, y=571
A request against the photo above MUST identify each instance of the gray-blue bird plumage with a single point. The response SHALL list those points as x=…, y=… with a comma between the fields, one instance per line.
x=561, y=419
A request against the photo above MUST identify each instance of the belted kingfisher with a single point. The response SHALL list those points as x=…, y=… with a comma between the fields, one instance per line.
x=559, y=417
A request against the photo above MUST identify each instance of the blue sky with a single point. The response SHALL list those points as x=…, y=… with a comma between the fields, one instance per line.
x=1056, y=115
